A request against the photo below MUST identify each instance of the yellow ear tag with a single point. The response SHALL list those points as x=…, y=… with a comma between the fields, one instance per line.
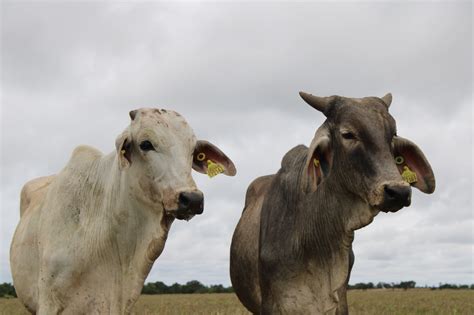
x=123, y=151
x=316, y=162
x=214, y=169
x=408, y=175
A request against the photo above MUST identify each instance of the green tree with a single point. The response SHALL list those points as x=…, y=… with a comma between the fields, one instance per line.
x=7, y=290
x=193, y=286
x=407, y=285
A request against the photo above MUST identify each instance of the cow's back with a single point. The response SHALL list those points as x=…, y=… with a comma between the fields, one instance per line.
x=24, y=249
x=244, y=248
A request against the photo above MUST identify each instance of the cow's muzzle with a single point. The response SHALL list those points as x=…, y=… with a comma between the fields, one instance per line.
x=189, y=204
x=395, y=197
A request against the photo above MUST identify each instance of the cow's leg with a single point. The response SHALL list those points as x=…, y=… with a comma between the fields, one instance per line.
x=291, y=295
x=46, y=309
x=48, y=304
x=244, y=248
x=57, y=276
x=24, y=255
x=343, y=308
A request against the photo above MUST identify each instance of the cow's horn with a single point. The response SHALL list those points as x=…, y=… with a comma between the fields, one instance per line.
x=133, y=113
x=387, y=99
x=319, y=103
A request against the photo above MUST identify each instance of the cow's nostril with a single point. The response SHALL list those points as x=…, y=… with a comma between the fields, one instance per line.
x=191, y=201
x=396, y=197
x=184, y=200
x=390, y=193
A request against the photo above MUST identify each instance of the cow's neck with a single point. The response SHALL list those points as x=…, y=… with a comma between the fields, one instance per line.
x=133, y=236
x=140, y=243
x=328, y=219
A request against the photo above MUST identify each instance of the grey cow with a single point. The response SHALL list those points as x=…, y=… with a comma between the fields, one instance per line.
x=291, y=252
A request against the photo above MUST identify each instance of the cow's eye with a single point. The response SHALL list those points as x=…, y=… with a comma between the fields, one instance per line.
x=348, y=135
x=146, y=146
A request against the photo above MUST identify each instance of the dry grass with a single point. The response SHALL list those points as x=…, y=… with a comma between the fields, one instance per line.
x=189, y=304
x=12, y=307
x=415, y=301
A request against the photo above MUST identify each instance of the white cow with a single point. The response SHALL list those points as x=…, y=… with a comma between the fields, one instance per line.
x=88, y=236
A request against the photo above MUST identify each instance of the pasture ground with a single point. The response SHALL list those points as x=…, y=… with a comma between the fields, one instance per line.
x=398, y=302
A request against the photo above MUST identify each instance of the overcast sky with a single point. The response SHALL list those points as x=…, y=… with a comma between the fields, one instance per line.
x=71, y=72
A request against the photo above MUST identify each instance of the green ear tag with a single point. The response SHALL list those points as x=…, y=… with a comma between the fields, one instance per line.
x=214, y=169
x=408, y=175
x=316, y=162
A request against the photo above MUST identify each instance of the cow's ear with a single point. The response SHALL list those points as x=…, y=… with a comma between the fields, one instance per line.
x=209, y=159
x=319, y=160
x=410, y=159
x=123, y=145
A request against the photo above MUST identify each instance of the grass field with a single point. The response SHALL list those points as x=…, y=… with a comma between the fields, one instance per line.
x=415, y=301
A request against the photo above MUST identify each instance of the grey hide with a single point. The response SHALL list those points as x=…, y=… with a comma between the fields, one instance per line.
x=291, y=252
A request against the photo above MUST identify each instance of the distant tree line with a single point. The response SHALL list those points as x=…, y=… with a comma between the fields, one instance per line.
x=194, y=286
x=406, y=285
x=383, y=285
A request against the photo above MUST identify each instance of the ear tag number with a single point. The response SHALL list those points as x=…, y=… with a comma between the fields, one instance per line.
x=214, y=169
x=408, y=175
x=316, y=162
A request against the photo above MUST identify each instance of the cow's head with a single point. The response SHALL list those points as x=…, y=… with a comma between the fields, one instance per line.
x=157, y=152
x=359, y=147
